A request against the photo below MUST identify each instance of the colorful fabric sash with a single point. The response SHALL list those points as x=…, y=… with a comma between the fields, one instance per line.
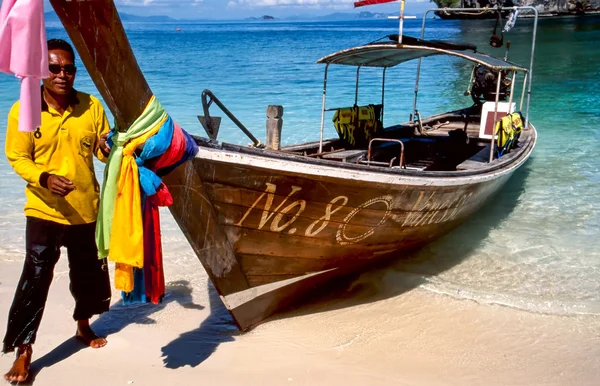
x=128, y=229
x=152, y=117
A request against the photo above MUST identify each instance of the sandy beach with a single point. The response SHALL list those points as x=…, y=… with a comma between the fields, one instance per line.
x=377, y=329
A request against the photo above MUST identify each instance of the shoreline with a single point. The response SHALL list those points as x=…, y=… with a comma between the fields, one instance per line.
x=366, y=333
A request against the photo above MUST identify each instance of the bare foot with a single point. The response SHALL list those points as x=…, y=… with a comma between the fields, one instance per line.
x=87, y=336
x=19, y=372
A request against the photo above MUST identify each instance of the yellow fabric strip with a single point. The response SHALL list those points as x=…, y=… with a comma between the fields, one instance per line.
x=127, y=236
x=124, y=277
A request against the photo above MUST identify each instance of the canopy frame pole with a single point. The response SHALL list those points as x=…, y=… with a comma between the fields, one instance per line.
x=356, y=90
x=495, y=114
x=323, y=108
x=512, y=89
x=383, y=95
x=414, y=109
x=530, y=72
x=523, y=92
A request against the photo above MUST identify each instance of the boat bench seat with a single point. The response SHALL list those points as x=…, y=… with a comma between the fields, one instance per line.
x=346, y=156
x=478, y=161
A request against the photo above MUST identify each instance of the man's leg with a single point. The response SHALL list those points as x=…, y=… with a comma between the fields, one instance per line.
x=90, y=284
x=43, y=240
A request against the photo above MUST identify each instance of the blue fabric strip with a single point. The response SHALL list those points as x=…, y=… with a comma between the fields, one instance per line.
x=138, y=295
x=154, y=147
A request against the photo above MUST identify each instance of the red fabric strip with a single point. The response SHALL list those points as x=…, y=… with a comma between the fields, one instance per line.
x=370, y=2
x=154, y=277
x=174, y=152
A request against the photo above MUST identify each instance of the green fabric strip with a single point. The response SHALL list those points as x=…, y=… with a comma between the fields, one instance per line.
x=152, y=115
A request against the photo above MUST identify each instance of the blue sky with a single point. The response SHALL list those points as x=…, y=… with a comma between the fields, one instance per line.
x=239, y=9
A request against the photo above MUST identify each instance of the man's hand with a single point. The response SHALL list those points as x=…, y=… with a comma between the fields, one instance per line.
x=104, y=148
x=60, y=185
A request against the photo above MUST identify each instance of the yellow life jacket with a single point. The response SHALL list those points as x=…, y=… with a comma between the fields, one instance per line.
x=344, y=121
x=356, y=125
x=508, y=129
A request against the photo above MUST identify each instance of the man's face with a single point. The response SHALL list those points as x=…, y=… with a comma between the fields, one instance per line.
x=62, y=72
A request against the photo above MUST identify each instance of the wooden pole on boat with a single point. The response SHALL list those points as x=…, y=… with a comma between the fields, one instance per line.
x=401, y=17
x=105, y=51
x=274, y=125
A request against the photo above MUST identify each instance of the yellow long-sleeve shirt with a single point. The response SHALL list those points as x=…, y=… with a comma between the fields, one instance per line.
x=65, y=148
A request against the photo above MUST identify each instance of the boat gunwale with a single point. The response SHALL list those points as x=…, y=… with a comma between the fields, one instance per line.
x=500, y=166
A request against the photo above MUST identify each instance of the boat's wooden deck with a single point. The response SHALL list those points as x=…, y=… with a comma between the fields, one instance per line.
x=441, y=146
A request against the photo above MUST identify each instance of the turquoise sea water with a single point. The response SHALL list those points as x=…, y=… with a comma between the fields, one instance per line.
x=535, y=247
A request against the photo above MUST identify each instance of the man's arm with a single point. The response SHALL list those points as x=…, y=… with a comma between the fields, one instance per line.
x=101, y=149
x=19, y=150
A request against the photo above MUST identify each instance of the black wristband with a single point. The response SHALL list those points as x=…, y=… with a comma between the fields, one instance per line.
x=44, y=179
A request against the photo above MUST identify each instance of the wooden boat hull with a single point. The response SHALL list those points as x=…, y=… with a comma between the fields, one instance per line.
x=268, y=229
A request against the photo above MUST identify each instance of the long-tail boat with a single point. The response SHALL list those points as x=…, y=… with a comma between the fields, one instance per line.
x=271, y=223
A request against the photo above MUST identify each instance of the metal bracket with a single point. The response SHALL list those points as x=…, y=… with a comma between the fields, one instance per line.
x=211, y=125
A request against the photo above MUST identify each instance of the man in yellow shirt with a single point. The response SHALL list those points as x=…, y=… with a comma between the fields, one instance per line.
x=62, y=205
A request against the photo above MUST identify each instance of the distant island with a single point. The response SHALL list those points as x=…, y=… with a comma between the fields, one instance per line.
x=265, y=17
x=545, y=8
x=338, y=16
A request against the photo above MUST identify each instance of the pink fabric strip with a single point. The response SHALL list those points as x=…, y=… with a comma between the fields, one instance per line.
x=24, y=52
x=31, y=98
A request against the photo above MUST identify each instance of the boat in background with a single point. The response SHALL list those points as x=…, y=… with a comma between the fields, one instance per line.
x=478, y=12
x=489, y=9
x=271, y=224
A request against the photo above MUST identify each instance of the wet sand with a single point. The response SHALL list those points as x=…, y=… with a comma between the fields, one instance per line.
x=379, y=329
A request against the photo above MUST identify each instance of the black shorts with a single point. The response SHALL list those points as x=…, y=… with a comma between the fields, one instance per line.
x=89, y=281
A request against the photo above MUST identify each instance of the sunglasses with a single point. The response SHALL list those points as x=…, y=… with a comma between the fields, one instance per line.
x=69, y=69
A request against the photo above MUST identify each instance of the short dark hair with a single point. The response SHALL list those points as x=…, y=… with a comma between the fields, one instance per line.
x=59, y=44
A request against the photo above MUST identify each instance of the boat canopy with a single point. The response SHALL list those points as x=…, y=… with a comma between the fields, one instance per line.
x=391, y=54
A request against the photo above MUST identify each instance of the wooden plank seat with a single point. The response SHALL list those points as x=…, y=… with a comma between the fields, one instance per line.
x=351, y=155
x=478, y=161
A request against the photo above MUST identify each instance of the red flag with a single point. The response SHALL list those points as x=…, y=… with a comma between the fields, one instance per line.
x=370, y=2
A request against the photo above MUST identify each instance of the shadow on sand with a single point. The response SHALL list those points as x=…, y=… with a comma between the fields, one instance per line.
x=119, y=317
x=380, y=282
x=194, y=347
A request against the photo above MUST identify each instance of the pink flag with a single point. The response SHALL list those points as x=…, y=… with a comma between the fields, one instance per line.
x=370, y=2
x=24, y=52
